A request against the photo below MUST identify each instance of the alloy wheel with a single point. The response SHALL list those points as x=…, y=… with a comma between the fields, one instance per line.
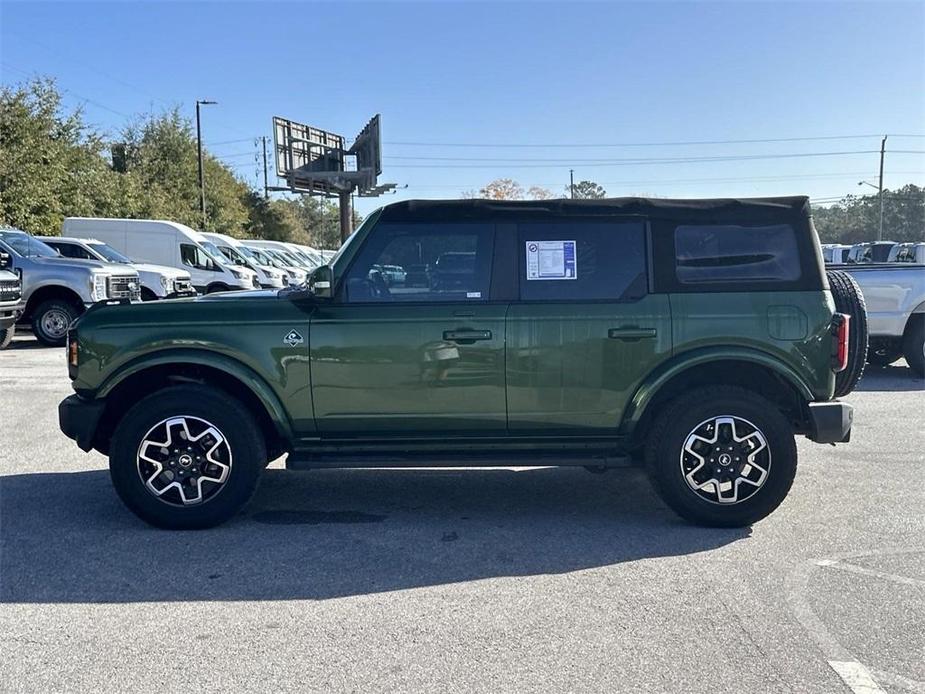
x=725, y=459
x=184, y=460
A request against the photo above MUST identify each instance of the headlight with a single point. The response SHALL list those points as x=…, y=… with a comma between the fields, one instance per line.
x=166, y=283
x=237, y=273
x=98, y=288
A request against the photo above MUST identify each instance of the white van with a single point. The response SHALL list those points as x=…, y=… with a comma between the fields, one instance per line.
x=239, y=254
x=289, y=250
x=165, y=243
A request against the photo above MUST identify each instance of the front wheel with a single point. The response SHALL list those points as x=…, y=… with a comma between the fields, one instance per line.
x=51, y=320
x=721, y=456
x=186, y=457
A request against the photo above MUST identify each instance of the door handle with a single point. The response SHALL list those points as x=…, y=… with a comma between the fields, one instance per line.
x=631, y=333
x=466, y=336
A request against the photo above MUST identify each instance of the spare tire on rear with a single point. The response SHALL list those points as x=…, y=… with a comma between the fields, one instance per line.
x=850, y=300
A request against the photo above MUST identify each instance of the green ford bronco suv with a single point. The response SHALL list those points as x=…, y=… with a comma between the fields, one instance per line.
x=696, y=336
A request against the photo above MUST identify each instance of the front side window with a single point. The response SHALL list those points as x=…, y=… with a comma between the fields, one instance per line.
x=423, y=262
x=195, y=257
x=718, y=253
x=70, y=250
x=582, y=261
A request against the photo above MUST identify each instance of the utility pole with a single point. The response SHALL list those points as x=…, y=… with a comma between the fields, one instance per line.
x=571, y=183
x=202, y=181
x=266, y=192
x=882, y=153
x=346, y=216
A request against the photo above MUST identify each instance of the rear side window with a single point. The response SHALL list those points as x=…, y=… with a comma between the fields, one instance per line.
x=718, y=253
x=582, y=261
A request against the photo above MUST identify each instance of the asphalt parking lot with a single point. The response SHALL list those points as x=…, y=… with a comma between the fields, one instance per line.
x=496, y=580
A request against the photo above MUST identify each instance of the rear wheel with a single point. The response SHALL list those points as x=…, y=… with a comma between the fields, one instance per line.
x=914, y=345
x=850, y=300
x=51, y=320
x=884, y=352
x=721, y=456
x=186, y=457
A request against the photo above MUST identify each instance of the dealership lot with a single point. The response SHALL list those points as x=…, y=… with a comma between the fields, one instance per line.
x=440, y=580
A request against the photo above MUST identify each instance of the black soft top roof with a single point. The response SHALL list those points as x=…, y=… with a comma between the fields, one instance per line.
x=718, y=210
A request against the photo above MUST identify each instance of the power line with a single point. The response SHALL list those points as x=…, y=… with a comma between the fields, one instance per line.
x=641, y=162
x=643, y=144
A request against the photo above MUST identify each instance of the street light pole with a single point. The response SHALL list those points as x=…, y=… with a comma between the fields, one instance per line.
x=202, y=181
x=571, y=180
x=882, y=153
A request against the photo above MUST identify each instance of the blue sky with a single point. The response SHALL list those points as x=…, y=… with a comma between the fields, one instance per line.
x=578, y=76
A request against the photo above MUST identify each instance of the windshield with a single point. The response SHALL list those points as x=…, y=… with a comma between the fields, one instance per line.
x=216, y=254
x=263, y=258
x=233, y=255
x=109, y=253
x=277, y=256
x=246, y=252
x=26, y=245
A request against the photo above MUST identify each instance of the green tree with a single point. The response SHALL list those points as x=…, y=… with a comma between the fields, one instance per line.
x=159, y=154
x=585, y=190
x=856, y=218
x=51, y=164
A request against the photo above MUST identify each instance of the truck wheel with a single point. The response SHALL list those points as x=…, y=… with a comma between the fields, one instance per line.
x=721, y=456
x=914, y=345
x=51, y=320
x=148, y=295
x=850, y=300
x=883, y=352
x=212, y=288
x=6, y=336
x=186, y=457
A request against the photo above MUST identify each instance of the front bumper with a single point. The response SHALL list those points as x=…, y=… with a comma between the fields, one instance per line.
x=78, y=419
x=830, y=422
x=185, y=294
x=9, y=315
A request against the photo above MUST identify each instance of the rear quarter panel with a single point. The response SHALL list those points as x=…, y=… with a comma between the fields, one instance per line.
x=792, y=327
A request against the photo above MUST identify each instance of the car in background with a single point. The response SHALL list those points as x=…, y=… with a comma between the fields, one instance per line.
x=157, y=281
x=394, y=275
x=267, y=256
x=10, y=299
x=894, y=294
x=286, y=252
x=56, y=290
x=870, y=252
x=298, y=273
x=269, y=277
x=908, y=253
x=835, y=253
x=163, y=242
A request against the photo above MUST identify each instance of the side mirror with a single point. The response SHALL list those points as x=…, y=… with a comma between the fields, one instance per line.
x=321, y=282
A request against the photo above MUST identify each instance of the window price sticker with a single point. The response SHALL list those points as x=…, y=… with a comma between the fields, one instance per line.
x=551, y=260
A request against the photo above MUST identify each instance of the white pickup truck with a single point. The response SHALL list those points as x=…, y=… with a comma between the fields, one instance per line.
x=895, y=297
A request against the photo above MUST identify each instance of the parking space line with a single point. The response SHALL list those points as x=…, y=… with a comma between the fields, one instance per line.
x=873, y=573
x=899, y=682
x=856, y=676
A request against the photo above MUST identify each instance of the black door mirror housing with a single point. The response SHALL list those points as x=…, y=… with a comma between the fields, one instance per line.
x=321, y=282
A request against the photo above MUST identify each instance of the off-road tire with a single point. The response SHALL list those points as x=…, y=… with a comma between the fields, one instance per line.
x=6, y=336
x=234, y=422
x=681, y=416
x=914, y=344
x=849, y=299
x=59, y=307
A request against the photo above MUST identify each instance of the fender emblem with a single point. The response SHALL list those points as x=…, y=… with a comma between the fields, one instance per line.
x=293, y=338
